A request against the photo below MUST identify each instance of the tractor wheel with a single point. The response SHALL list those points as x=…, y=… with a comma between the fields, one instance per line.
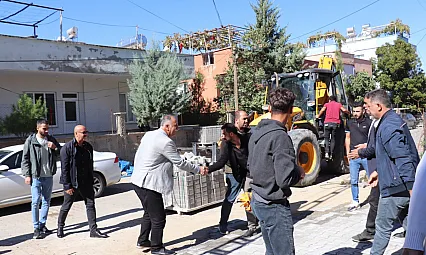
x=308, y=154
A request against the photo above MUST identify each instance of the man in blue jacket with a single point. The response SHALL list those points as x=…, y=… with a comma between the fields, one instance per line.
x=273, y=168
x=397, y=159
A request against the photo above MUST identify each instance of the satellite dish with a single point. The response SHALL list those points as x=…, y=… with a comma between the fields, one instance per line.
x=72, y=33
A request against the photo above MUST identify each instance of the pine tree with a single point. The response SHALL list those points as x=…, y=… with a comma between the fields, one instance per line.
x=264, y=49
x=154, y=86
x=22, y=121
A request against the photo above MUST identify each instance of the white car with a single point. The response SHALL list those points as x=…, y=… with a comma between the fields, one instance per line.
x=13, y=189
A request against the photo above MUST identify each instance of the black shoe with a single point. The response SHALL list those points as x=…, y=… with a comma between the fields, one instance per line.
x=163, y=251
x=143, y=245
x=363, y=237
x=60, y=232
x=250, y=232
x=97, y=234
x=400, y=235
x=45, y=231
x=37, y=234
x=223, y=230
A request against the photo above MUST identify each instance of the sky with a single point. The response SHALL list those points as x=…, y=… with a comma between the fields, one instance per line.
x=186, y=16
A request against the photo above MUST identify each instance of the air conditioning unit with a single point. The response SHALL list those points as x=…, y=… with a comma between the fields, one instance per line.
x=72, y=33
x=350, y=32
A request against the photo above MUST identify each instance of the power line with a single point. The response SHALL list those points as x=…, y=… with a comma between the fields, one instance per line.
x=217, y=12
x=42, y=24
x=331, y=23
x=158, y=16
x=114, y=25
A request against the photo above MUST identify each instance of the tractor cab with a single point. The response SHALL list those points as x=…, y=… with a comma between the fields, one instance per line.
x=312, y=88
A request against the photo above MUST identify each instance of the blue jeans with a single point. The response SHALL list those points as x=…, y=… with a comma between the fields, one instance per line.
x=41, y=189
x=276, y=224
x=390, y=209
x=231, y=195
x=354, y=166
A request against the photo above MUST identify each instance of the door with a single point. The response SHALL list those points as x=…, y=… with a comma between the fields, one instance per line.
x=12, y=182
x=71, y=112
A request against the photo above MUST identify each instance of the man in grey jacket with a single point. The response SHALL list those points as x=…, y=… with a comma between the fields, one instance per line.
x=273, y=168
x=153, y=176
x=38, y=166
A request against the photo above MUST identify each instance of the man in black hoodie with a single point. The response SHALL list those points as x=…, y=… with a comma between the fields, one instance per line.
x=272, y=165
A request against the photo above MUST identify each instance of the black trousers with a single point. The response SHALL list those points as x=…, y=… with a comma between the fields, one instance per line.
x=330, y=128
x=88, y=196
x=154, y=217
x=373, y=200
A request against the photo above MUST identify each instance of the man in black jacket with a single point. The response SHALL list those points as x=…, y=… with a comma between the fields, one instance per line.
x=235, y=150
x=242, y=125
x=368, y=151
x=77, y=178
x=272, y=165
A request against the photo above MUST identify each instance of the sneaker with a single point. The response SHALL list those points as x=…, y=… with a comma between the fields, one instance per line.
x=45, y=231
x=363, y=237
x=326, y=155
x=37, y=234
x=223, y=230
x=250, y=232
x=400, y=235
x=353, y=206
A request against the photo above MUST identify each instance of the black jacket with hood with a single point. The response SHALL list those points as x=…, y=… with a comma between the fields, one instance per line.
x=272, y=161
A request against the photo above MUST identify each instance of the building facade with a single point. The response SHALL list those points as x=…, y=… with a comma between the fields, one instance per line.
x=80, y=83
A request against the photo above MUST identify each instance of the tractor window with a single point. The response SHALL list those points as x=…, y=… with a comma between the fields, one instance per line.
x=303, y=89
x=340, y=92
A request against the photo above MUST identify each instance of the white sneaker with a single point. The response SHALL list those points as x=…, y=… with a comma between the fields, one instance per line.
x=353, y=206
x=326, y=155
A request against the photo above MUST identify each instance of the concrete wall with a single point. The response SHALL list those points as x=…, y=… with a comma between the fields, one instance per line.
x=126, y=146
x=45, y=55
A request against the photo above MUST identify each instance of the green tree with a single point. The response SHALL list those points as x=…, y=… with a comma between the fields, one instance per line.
x=398, y=71
x=359, y=85
x=22, y=121
x=154, y=86
x=264, y=49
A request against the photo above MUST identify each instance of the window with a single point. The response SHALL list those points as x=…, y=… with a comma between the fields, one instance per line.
x=125, y=106
x=13, y=161
x=49, y=99
x=70, y=111
x=70, y=106
x=208, y=58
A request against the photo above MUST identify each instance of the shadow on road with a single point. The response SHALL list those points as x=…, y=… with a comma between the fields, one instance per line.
x=57, y=201
x=5, y=251
x=349, y=250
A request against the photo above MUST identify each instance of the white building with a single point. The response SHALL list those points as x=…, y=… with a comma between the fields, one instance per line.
x=362, y=45
x=80, y=83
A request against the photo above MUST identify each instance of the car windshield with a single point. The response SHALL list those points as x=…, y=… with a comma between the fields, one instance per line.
x=4, y=153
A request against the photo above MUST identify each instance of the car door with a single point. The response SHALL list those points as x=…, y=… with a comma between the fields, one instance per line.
x=12, y=182
x=57, y=188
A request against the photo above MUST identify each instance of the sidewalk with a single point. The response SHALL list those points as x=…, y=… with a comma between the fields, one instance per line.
x=329, y=233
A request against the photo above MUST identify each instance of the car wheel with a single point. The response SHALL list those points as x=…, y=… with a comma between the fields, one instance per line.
x=98, y=184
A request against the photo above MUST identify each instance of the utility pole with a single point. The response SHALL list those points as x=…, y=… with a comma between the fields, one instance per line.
x=60, y=25
x=234, y=54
